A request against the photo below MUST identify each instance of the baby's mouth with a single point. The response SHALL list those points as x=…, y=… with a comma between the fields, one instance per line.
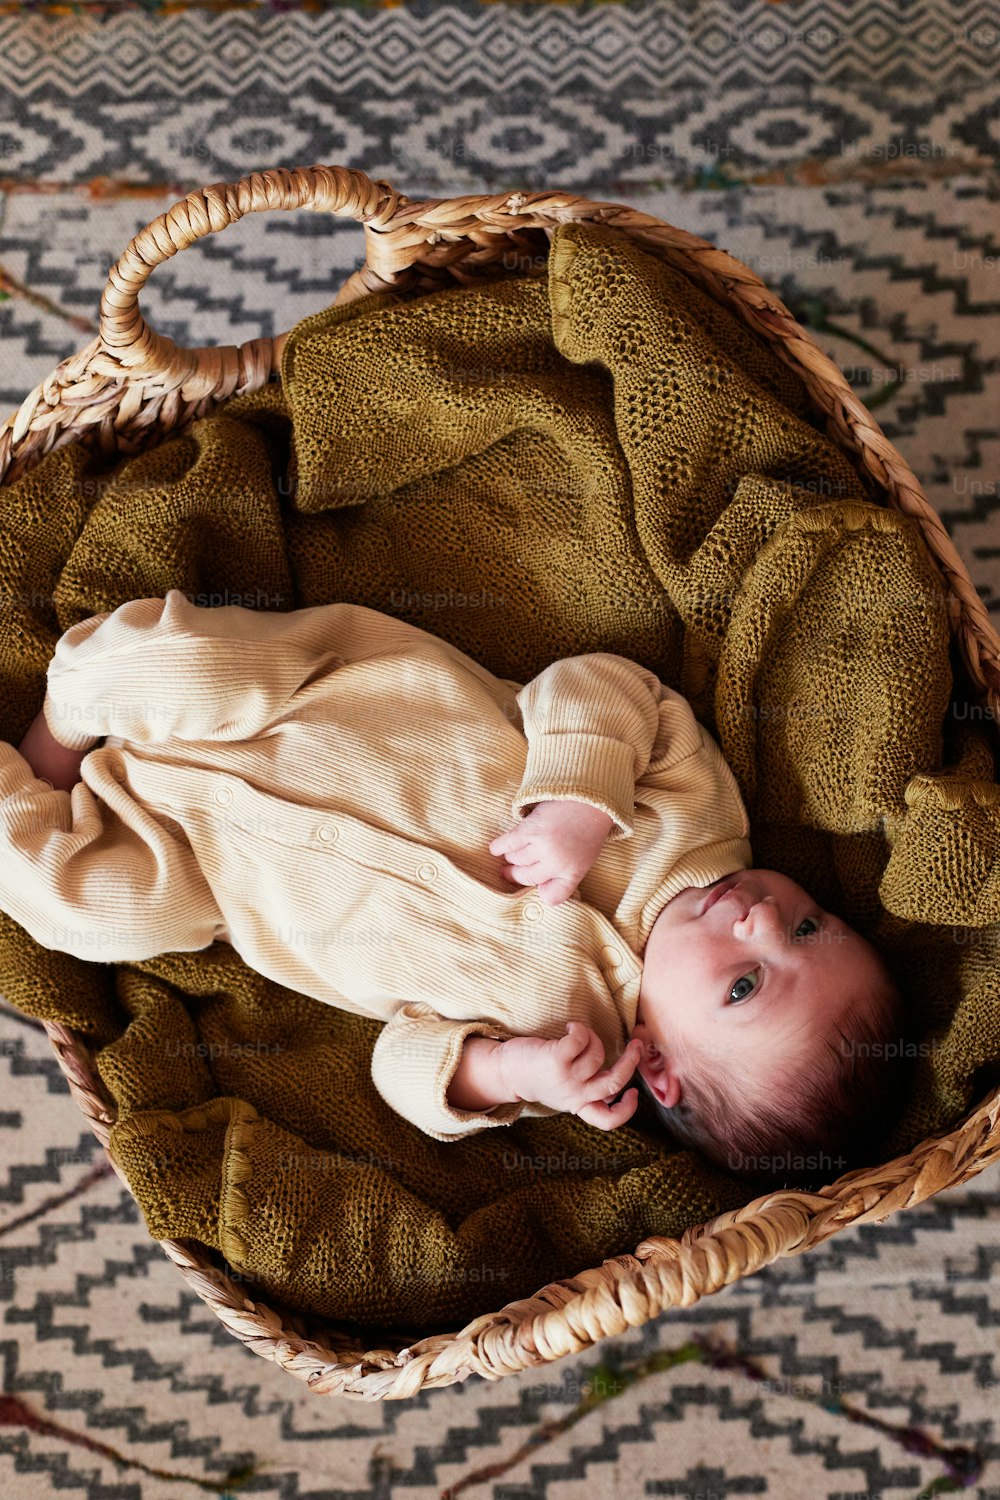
x=718, y=889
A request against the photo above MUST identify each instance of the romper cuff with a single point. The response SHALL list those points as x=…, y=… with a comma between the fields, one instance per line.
x=413, y=1063
x=72, y=737
x=592, y=768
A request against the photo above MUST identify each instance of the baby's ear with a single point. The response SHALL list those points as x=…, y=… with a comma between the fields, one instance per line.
x=656, y=1070
x=671, y=1094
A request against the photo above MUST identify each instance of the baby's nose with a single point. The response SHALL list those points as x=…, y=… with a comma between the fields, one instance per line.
x=766, y=916
x=765, y=908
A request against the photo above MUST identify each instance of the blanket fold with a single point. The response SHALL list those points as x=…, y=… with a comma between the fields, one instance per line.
x=602, y=459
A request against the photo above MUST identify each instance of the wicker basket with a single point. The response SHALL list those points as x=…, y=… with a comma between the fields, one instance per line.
x=131, y=387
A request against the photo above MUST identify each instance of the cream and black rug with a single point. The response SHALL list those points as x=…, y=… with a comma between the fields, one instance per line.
x=845, y=150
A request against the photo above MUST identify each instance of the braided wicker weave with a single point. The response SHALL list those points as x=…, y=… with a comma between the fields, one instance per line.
x=131, y=387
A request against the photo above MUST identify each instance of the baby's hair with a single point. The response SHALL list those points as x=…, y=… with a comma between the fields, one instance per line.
x=832, y=1122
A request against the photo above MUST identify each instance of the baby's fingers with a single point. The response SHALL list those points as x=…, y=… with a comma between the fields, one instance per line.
x=519, y=874
x=511, y=841
x=557, y=890
x=605, y=1085
x=610, y=1116
x=580, y=1038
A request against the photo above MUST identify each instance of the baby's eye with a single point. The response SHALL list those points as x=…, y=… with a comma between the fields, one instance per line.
x=735, y=999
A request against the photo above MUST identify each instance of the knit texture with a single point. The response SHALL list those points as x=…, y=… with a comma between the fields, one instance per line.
x=599, y=460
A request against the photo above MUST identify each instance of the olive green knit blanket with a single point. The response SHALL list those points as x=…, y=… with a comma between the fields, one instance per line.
x=599, y=459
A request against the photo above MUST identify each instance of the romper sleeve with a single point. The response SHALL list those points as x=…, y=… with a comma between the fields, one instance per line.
x=156, y=669
x=414, y=1061
x=594, y=725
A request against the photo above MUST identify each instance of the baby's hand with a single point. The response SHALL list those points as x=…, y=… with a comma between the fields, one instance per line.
x=553, y=847
x=569, y=1074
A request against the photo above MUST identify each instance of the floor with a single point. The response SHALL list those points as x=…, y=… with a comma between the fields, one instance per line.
x=846, y=152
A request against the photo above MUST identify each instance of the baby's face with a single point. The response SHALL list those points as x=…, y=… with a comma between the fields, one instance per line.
x=749, y=972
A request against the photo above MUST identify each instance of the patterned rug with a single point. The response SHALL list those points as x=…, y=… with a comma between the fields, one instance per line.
x=847, y=152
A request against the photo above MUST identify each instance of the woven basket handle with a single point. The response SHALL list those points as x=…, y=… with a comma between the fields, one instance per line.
x=130, y=385
x=133, y=350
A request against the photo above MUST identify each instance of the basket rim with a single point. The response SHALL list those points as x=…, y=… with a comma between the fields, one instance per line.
x=117, y=392
x=624, y=1291
x=402, y=254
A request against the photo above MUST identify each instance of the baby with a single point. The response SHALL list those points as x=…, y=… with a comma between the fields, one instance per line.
x=261, y=770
